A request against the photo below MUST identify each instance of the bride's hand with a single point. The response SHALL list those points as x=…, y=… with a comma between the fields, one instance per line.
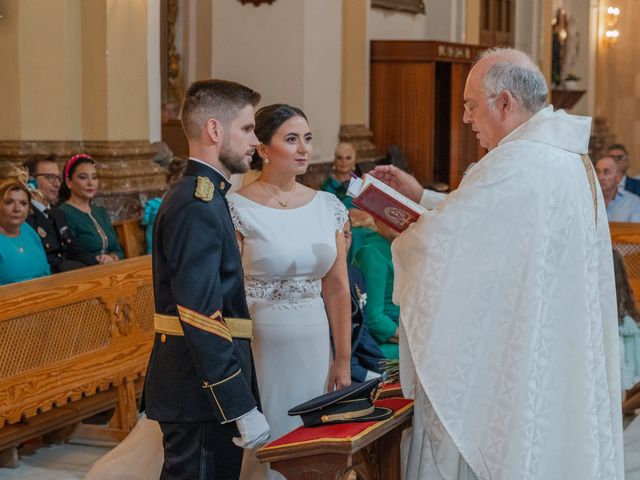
x=339, y=375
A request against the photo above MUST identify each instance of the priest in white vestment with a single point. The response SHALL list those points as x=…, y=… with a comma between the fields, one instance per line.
x=509, y=338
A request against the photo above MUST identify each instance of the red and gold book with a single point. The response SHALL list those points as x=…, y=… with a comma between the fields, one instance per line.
x=384, y=203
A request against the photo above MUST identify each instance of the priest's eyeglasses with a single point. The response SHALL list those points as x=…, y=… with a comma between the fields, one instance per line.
x=470, y=106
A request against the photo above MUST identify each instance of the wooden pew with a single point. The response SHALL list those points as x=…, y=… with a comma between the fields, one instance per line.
x=131, y=237
x=625, y=238
x=73, y=345
x=335, y=452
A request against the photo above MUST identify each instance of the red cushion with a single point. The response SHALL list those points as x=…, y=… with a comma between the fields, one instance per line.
x=341, y=431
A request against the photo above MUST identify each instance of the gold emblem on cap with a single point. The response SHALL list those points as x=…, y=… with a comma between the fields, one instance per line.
x=204, y=189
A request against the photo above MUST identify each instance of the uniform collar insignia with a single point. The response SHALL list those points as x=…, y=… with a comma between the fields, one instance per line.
x=204, y=189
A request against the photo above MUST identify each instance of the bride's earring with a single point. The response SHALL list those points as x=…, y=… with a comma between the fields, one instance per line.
x=266, y=160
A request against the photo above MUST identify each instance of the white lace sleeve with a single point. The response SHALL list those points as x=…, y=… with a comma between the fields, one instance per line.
x=339, y=210
x=237, y=221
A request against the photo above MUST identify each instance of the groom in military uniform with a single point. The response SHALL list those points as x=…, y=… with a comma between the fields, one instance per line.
x=200, y=384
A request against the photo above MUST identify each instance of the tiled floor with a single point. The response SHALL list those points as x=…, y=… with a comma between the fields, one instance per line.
x=73, y=461
x=55, y=462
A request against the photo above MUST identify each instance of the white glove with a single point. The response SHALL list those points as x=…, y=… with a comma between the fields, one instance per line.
x=254, y=430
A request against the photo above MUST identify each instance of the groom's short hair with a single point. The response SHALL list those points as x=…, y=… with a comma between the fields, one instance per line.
x=218, y=99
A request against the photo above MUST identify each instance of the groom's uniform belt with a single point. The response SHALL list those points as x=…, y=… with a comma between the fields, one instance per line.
x=170, y=325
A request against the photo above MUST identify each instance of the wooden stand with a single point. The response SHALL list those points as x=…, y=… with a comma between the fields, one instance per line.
x=565, y=98
x=374, y=455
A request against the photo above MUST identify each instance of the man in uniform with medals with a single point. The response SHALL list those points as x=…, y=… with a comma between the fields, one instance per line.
x=200, y=384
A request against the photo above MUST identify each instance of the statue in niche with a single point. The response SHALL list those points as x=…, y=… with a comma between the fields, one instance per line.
x=566, y=42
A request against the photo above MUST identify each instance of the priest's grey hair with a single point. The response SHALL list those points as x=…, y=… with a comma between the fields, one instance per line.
x=515, y=72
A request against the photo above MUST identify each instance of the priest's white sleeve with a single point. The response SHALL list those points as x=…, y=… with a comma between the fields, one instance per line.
x=431, y=199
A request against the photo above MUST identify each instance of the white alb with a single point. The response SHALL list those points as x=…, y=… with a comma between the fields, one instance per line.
x=507, y=299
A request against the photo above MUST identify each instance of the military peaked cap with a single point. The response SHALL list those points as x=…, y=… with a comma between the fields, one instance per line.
x=351, y=404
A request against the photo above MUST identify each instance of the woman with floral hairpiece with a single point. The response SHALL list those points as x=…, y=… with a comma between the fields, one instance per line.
x=89, y=223
x=21, y=254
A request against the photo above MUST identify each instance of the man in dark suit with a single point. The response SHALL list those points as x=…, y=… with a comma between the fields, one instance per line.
x=50, y=222
x=200, y=383
x=619, y=153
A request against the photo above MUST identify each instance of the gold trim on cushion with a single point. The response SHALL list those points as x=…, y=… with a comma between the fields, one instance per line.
x=170, y=325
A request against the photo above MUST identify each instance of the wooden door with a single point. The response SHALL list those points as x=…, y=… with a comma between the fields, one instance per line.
x=402, y=114
x=497, y=19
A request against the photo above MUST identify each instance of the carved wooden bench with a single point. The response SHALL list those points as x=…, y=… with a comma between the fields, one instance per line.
x=625, y=238
x=334, y=452
x=73, y=345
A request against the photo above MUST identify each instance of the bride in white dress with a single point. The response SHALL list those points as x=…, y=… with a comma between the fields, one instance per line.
x=292, y=252
x=293, y=256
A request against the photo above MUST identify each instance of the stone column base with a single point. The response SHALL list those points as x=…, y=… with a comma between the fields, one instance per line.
x=360, y=137
x=127, y=174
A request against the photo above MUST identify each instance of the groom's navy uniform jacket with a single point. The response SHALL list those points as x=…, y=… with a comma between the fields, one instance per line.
x=201, y=368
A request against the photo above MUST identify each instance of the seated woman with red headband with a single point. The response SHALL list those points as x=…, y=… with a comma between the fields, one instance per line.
x=89, y=223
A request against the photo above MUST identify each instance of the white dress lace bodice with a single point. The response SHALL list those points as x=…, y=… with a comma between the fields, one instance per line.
x=286, y=253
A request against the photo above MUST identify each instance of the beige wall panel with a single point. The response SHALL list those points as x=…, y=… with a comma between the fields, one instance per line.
x=203, y=39
x=322, y=73
x=355, y=66
x=290, y=52
x=618, y=92
x=261, y=47
x=48, y=48
x=94, y=70
x=439, y=23
x=10, y=79
x=73, y=71
x=127, y=85
x=472, y=25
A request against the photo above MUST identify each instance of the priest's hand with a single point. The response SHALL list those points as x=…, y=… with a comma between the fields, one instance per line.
x=399, y=180
x=339, y=375
x=254, y=430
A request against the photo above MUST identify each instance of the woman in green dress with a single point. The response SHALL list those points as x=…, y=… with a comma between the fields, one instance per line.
x=89, y=223
x=382, y=315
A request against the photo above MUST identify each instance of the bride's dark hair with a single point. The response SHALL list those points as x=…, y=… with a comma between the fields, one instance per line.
x=268, y=121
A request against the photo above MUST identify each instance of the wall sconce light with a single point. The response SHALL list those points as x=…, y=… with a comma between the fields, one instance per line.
x=611, y=34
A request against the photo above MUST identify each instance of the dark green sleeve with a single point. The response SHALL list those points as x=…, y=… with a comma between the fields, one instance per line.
x=375, y=267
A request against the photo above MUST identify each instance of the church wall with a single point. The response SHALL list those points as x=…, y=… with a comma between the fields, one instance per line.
x=288, y=51
x=619, y=81
x=442, y=21
x=10, y=78
x=127, y=77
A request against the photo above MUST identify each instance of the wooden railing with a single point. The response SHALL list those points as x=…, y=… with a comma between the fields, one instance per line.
x=625, y=238
x=73, y=345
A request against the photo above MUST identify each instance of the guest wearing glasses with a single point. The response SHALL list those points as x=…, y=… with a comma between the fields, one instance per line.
x=619, y=153
x=48, y=221
x=89, y=223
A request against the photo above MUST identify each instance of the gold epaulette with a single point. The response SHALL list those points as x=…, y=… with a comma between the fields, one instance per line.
x=204, y=189
x=227, y=328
